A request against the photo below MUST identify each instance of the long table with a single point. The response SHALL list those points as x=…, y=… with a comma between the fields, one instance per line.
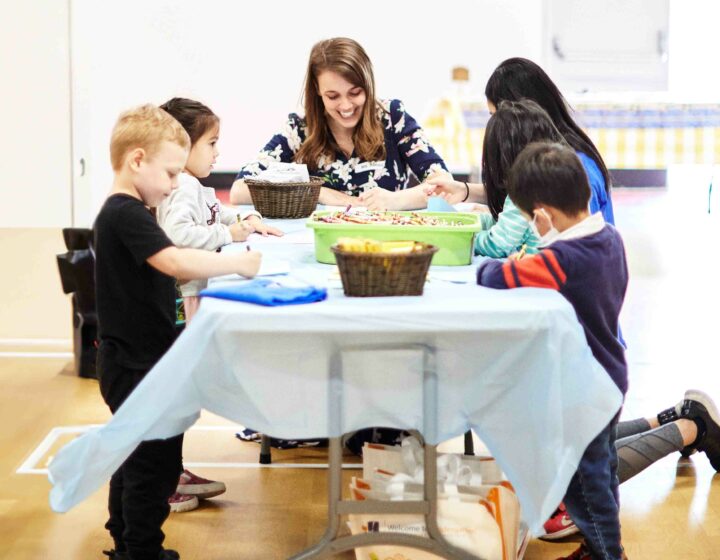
x=512, y=365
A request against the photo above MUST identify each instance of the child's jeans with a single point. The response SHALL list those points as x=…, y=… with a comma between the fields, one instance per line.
x=592, y=497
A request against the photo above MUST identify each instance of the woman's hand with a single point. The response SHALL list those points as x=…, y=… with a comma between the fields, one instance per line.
x=378, y=198
x=331, y=197
x=445, y=186
x=261, y=227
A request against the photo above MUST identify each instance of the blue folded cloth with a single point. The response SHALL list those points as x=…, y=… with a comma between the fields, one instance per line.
x=265, y=291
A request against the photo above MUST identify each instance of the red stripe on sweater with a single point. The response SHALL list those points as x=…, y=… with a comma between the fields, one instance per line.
x=507, y=273
x=534, y=273
x=556, y=265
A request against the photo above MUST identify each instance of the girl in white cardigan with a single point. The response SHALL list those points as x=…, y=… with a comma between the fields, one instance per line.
x=192, y=216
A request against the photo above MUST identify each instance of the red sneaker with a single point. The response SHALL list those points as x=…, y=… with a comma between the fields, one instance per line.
x=182, y=502
x=581, y=553
x=194, y=485
x=559, y=525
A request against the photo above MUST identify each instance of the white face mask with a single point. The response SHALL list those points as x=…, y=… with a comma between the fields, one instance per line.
x=549, y=236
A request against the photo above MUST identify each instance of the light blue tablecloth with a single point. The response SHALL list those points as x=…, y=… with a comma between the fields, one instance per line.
x=513, y=365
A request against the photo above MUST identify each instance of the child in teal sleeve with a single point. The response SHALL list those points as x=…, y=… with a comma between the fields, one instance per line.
x=513, y=126
x=506, y=235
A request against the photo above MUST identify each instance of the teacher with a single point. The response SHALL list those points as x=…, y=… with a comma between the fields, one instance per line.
x=363, y=148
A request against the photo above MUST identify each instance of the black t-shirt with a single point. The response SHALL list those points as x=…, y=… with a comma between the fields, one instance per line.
x=135, y=302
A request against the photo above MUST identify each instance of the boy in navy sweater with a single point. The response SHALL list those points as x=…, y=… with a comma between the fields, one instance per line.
x=584, y=259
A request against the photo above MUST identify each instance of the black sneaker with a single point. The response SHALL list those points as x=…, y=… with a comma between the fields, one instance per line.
x=113, y=555
x=165, y=554
x=670, y=415
x=700, y=408
x=248, y=434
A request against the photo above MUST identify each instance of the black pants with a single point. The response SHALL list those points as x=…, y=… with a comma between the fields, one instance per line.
x=140, y=488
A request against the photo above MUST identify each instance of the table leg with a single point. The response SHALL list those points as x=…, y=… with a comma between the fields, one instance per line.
x=330, y=544
x=265, y=450
x=322, y=548
x=469, y=444
x=430, y=485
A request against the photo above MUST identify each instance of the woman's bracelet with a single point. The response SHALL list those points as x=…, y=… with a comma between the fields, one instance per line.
x=467, y=192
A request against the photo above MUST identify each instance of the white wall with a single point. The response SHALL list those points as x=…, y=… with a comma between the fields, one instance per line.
x=34, y=114
x=247, y=60
x=693, y=46
x=607, y=46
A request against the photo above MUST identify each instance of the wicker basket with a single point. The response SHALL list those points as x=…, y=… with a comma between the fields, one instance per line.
x=285, y=200
x=384, y=274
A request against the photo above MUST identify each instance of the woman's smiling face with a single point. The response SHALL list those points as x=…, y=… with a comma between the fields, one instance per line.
x=343, y=101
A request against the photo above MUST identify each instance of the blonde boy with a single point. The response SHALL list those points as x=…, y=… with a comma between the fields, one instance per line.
x=136, y=268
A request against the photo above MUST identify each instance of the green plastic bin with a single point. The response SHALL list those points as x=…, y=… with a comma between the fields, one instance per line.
x=455, y=243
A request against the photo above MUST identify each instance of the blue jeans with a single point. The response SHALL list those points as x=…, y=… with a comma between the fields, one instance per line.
x=592, y=499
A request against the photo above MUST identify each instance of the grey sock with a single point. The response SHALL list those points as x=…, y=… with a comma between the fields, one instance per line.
x=631, y=427
x=639, y=451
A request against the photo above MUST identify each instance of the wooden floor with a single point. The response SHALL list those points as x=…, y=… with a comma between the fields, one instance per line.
x=672, y=510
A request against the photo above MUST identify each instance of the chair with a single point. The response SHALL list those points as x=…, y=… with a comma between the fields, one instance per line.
x=77, y=274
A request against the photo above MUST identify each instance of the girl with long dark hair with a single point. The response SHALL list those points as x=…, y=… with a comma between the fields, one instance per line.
x=519, y=78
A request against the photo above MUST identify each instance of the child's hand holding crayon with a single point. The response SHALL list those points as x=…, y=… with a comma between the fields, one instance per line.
x=520, y=254
x=241, y=230
x=248, y=263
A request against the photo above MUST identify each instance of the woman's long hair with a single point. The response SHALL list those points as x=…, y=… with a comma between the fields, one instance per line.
x=348, y=59
x=514, y=125
x=519, y=78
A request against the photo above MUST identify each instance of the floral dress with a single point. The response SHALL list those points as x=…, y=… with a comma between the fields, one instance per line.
x=407, y=147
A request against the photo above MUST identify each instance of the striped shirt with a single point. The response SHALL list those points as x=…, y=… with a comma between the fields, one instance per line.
x=506, y=236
